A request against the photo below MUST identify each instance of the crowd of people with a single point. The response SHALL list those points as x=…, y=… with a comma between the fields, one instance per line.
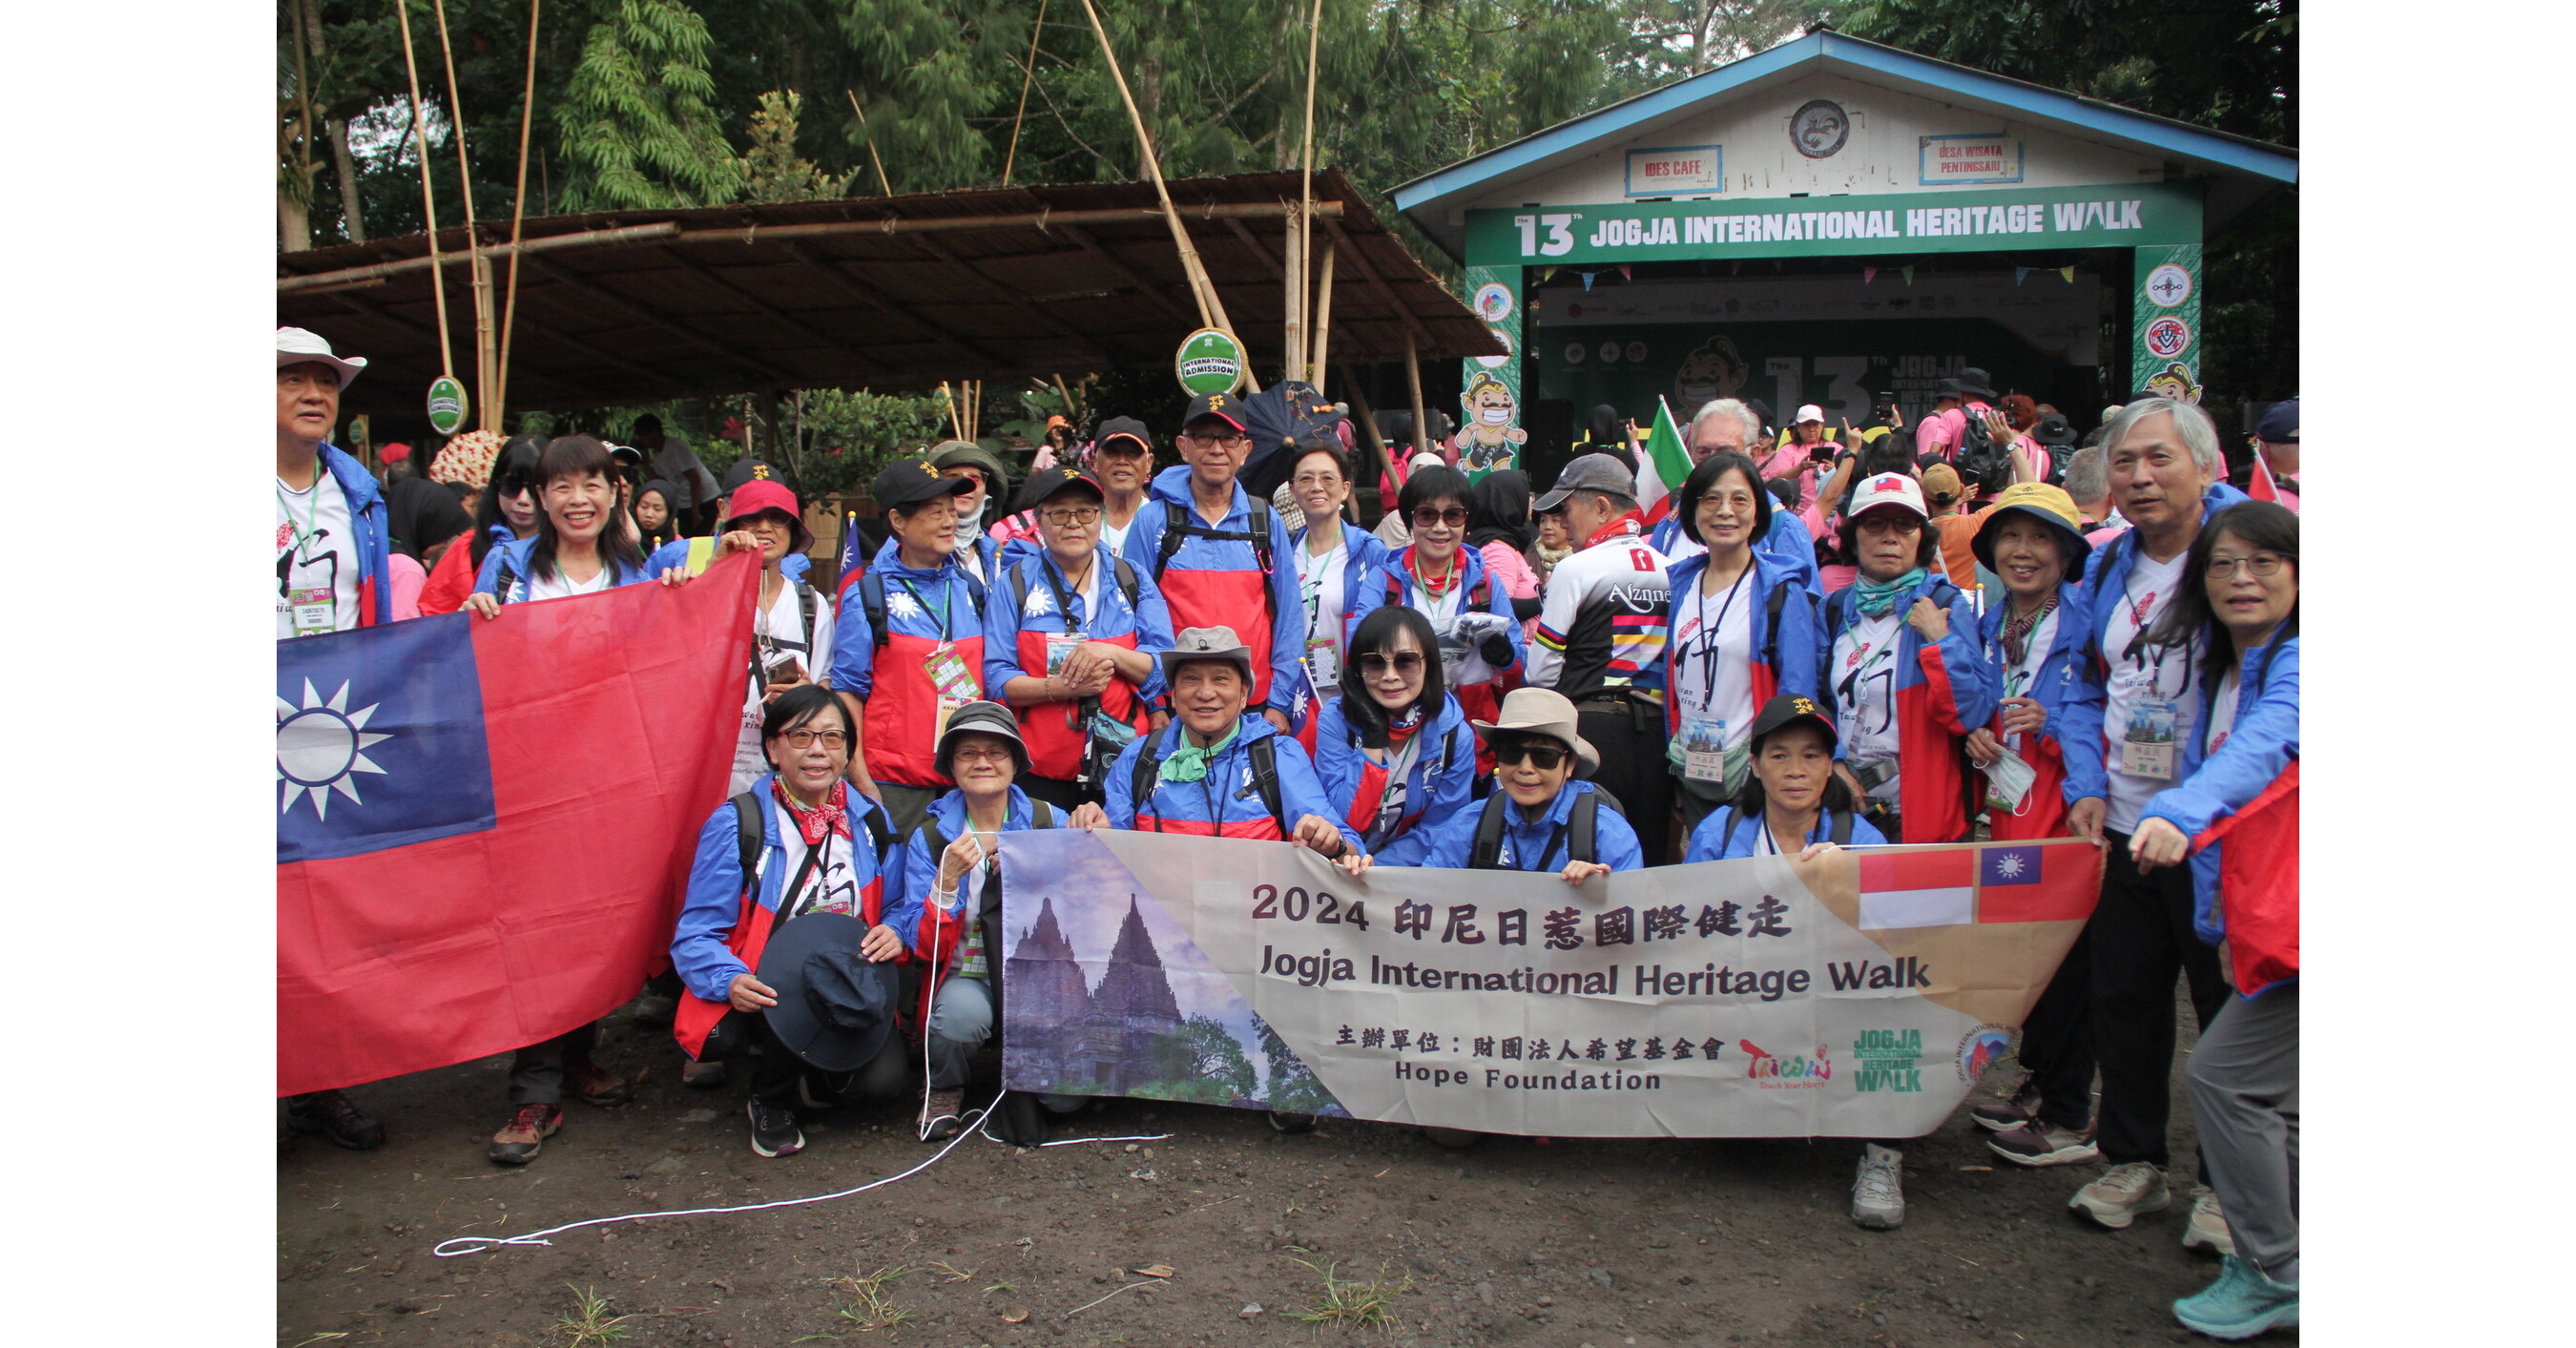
x=1816, y=641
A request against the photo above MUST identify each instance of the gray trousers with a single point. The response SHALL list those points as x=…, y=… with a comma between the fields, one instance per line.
x=907, y=806
x=537, y=1071
x=2245, y=1101
x=961, y=1019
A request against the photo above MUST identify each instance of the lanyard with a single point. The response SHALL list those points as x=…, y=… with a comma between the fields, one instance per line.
x=947, y=600
x=1311, y=575
x=2033, y=652
x=312, y=507
x=1066, y=598
x=1708, y=635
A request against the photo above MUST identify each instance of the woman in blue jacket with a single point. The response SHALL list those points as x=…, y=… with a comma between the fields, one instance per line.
x=1333, y=558
x=1542, y=815
x=1394, y=751
x=578, y=548
x=2240, y=781
x=1482, y=649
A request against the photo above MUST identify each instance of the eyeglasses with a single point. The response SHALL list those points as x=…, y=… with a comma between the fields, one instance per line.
x=2263, y=564
x=1427, y=517
x=975, y=753
x=1220, y=440
x=801, y=738
x=1375, y=664
x=1318, y=480
x=1543, y=757
x=1071, y=516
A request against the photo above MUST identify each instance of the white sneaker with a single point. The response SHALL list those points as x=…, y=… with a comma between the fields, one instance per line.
x=2116, y=1199
x=2207, y=1229
x=1878, y=1190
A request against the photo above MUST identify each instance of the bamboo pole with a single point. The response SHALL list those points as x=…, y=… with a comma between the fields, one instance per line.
x=1323, y=315
x=1067, y=394
x=518, y=210
x=487, y=351
x=428, y=201
x=1292, y=287
x=1303, y=225
x=1211, y=309
x=1413, y=384
x=883, y=186
x=1381, y=460
x=1028, y=78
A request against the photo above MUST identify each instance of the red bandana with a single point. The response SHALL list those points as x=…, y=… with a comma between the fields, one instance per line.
x=1434, y=588
x=832, y=816
x=1631, y=523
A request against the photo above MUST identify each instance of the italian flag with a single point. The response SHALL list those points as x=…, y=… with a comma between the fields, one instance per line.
x=1663, y=465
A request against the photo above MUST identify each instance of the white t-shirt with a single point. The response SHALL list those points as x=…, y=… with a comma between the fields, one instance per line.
x=2148, y=672
x=1323, y=587
x=558, y=585
x=317, y=559
x=1727, y=651
x=1863, y=684
x=2019, y=678
x=831, y=886
x=777, y=636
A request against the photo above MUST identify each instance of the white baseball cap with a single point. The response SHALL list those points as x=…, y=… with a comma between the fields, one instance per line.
x=296, y=346
x=1810, y=412
x=1888, y=489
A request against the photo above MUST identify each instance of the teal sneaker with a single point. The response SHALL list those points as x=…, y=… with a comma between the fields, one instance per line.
x=2241, y=1304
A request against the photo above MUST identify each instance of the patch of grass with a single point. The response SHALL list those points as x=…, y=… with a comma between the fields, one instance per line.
x=588, y=1324
x=871, y=1305
x=951, y=1272
x=1352, y=1303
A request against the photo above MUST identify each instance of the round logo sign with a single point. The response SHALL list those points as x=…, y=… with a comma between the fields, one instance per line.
x=1819, y=127
x=1609, y=353
x=1209, y=361
x=2168, y=338
x=1493, y=302
x=1497, y=362
x=1575, y=352
x=447, y=405
x=2169, y=285
x=1636, y=353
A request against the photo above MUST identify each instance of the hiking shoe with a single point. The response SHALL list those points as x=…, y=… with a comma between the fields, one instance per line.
x=330, y=1114
x=1287, y=1122
x=2241, y=1304
x=2207, y=1229
x=943, y=1114
x=702, y=1076
x=2041, y=1143
x=2127, y=1189
x=525, y=1134
x=1878, y=1191
x=773, y=1129
x=592, y=1084
x=2002, y=1116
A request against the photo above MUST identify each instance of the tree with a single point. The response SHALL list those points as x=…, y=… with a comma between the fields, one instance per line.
x=640, y=113
x=1292, y=1087
x=771, y=170
x=1200, y=1060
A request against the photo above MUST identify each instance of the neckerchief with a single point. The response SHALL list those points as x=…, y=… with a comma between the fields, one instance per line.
x=1431, y=588
x=2017, y=632
x=1634, y=522
x=1398, y=732
x=1876, y=597
x=1188, y=762
x=832, y=816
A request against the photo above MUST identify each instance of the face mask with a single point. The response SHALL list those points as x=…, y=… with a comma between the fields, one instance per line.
x=1495, y=416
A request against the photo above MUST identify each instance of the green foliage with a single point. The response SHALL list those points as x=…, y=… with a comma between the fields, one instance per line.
x=640, y=113
x=1292, y=1087
x=1200, y=1060
x=844, y=437
x=771, y=170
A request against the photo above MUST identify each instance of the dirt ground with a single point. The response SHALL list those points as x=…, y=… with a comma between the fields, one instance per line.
x=1515, y=1241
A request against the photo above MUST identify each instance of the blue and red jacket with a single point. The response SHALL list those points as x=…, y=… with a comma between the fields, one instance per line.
x=697, y=553
x=1794, y=644
x=1943, y=691
x=1227, y=804
x=1361, y=551
x=1538, y=844
x=1219, y=583
x=2108, y=574
x=2239, y=804
x=925, y=610
x=1480, y=687
x=931, y=936
x=1723, y=837
x=366, y=519
x=2059, y=779
x=1786, y=541
x=724, y=922
x=1436, y=787
x=1022, y=611
x=505, y=574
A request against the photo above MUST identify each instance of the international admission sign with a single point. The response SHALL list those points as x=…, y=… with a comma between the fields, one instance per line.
x=1859, y=995
x=1957, y=221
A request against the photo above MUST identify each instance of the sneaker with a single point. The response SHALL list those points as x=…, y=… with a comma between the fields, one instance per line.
x=2002, y=1116
x=2207, y=1229
x=1286, y=1122
x=2241, y=1304
x=592, y=1084
x=1878, y=1191
x=943, y=1114
x=2041, y=1143
x=330, y=1114
x=773, y=1130
x=525, y=1134
x=702, y=1076
x=2127, y=1189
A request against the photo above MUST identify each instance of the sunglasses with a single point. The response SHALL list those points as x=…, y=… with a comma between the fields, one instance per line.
x=1545, y=758
x=1426, y=518
x=1375, y=664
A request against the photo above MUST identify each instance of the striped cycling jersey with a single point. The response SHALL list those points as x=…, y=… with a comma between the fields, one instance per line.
x=1602, y=623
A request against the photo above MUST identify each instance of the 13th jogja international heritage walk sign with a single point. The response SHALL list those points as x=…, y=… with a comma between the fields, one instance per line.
x=1833, y=218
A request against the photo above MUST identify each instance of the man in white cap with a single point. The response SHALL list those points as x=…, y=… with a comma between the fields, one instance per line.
x=331, y=551
x=1600, y=638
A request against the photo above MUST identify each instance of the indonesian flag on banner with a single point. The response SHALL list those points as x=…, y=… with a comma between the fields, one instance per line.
x=1662, y=467
x=2020, y=882
x=485, y=825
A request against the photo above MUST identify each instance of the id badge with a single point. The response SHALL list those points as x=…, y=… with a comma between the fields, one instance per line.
x=1704, y=748
x=2147, y=747
x=1321, y=659
x=939, y=723
x=949, y=676
x=309, y=611
x=1058, y=650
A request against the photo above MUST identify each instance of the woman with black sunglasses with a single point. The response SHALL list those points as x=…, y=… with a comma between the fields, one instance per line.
x=1543, y=816
x=1480, y=645
x=1393, y=750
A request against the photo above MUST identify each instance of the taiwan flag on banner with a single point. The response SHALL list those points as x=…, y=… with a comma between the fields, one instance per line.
x=485, y=826
x=2056, y=881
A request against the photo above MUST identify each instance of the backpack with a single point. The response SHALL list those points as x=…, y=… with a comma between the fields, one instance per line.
x=1041, y=815
x=1180, y=522
x=872, y=602
x=1125, y=575
x=1264, y=753
x=749, y=833
x=1480, y=596
x=1979, y=458
x=1580, y=832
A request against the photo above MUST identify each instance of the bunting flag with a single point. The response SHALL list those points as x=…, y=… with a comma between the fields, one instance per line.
x=1868, y=274
x=1587, y=279
x=2020, y=274
x=1625, y=274
x=1546, y=274
x=1909, y=275
x=2068, y=273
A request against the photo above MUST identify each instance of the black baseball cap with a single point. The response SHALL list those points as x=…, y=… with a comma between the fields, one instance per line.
x=1790, y=709
x=1224, y=406
x=749, y=470
x=912, y=481
x=1047, y=482
x=1123, y=428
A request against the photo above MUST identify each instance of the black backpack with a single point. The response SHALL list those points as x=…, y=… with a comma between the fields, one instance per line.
x=1581, y=832
x=1180, y=522
x=872, y=602
x=749, y=832
x=1128, y=585
x=1982, y=460
x=1264, y=753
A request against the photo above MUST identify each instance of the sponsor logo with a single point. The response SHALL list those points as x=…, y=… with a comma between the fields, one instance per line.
x=1980, y=1047
x=1886, y=1061
x=1793, y=1072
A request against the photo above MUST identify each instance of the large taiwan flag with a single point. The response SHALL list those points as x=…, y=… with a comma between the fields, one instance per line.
x=485, y=826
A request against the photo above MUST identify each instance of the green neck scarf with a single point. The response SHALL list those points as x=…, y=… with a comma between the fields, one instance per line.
x=1188, y=762
x=1876, y=597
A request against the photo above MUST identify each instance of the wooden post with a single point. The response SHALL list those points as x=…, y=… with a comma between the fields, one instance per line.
x=878, y=164
x=1211, y=309
x=518, y=210
x=1292, y=286
x=1323, y=315
x=428, y=200
x=1026, y=79
x=478, y=270
x=1413, y=383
